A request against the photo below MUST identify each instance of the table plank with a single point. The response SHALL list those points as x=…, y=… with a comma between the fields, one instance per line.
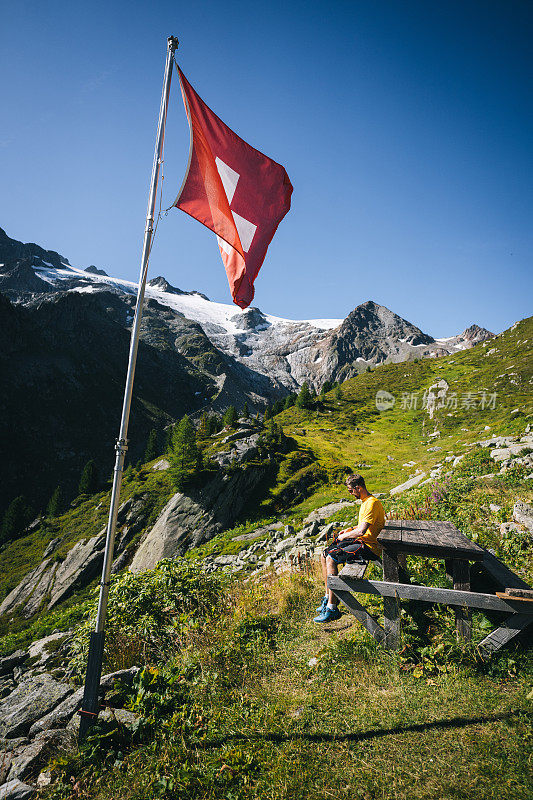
x=437, y=538
x=427, y=594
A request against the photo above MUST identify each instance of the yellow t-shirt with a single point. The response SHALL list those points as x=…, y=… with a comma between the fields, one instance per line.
x=371, y=511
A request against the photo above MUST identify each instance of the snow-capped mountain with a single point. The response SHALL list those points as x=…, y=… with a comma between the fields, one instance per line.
x=285, y=352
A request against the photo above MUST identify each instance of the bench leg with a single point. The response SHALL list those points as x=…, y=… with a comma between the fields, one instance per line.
x=463, y=615
x=391, y=605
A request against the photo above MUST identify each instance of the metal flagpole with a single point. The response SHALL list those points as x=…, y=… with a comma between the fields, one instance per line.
x=89, y=709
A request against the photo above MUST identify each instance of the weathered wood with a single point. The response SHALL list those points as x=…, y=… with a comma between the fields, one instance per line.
x=354, y=570
x=501, y=573
x=461, y=583
x=391, y=605
x=427, y=594
x=527, y=594
x=431, y=538
x=511, y=627
x=360, y=613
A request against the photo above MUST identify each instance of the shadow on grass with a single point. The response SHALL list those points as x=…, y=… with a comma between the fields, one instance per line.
x=455, y=722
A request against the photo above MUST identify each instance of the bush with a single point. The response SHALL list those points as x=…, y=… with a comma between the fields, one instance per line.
x=148, y=611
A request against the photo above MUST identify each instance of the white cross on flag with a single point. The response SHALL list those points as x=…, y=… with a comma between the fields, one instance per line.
x=233, y=189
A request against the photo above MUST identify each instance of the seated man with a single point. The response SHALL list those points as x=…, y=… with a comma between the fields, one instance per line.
x=352, y=545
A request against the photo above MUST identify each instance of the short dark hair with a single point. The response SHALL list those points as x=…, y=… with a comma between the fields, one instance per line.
x=355, y=480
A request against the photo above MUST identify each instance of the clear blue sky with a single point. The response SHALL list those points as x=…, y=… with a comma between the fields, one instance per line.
x=405, y=127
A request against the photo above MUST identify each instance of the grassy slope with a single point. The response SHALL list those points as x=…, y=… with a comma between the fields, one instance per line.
x=352, y=430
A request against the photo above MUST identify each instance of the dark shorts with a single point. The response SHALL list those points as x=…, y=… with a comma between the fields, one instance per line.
x=349, y=551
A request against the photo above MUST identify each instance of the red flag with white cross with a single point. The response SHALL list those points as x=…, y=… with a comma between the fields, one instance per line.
x=233, y=189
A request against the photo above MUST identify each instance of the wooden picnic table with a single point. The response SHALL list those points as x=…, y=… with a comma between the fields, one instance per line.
x=432, y=539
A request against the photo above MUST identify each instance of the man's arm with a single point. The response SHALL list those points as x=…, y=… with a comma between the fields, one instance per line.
x=353, y=533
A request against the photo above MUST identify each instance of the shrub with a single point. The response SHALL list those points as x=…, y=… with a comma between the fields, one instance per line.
x=148, y=611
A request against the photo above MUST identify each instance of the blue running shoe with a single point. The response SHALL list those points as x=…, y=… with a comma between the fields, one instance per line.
x=323, y=604
x=328, y=615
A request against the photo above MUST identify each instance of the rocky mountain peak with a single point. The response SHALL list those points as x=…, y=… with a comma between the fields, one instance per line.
x=475, y=334
x=163, y=285
x=95, y=271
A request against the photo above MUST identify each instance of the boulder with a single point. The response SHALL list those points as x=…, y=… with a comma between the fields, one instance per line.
x=82, y=563
x=16, y=790
x=403, y=487
x=14, y=660
x=31, y=700
x=321, y=514
x=284, y=545
x=523, y=513
x=326, y=532
x=190, y=520
x=27, y=760
x=45, y=650
x=60, y=715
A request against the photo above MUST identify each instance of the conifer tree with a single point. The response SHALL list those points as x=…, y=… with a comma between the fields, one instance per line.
x=204, y=428
x=152, y=450
x=338, y=392
x=245, y=413
x=322, y=395
x=55, y=504
x=89, y=479
x=16, y=519
x=277, y=407
x=290, y=401
x=185, y=454
x=304, y=397
x=230, y=417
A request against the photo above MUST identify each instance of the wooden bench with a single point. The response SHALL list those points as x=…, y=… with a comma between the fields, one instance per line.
x=432, y=539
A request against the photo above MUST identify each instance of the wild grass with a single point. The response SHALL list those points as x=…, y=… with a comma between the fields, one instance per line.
x=272, y=705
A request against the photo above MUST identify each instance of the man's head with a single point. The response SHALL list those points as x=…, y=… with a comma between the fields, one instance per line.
x=356, y=485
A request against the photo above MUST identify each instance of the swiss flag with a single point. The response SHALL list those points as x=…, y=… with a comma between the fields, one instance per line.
x=233, y=189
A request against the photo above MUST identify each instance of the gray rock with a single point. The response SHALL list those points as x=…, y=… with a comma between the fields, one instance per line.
x=31, y=700
x=509, y=527
x=494, y=508
x=326, y=532
x=82, y=563
x=27, y=760
x=160, y=465
x=51, y=547
x=284, y=545
x=504, y=453
x=60, y=715
x=190, y=520
x=288, y=530
x=16, y=790
x=14, y=660
x=523, y=513
x=120, y=715
x=403, y=487
x=44, y=650
x=122, y=675
x=28, y=586
x=321, y=514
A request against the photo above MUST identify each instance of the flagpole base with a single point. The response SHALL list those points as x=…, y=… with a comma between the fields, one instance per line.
x=90, y=705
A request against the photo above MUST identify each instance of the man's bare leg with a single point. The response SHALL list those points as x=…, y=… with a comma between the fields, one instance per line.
x=331, y=569
x=324, y=572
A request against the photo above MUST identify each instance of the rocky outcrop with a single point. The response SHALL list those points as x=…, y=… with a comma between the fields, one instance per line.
x=51, y=581
x=38, y=721
x=190, y=519
x=403, y=487
x=31, y=700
